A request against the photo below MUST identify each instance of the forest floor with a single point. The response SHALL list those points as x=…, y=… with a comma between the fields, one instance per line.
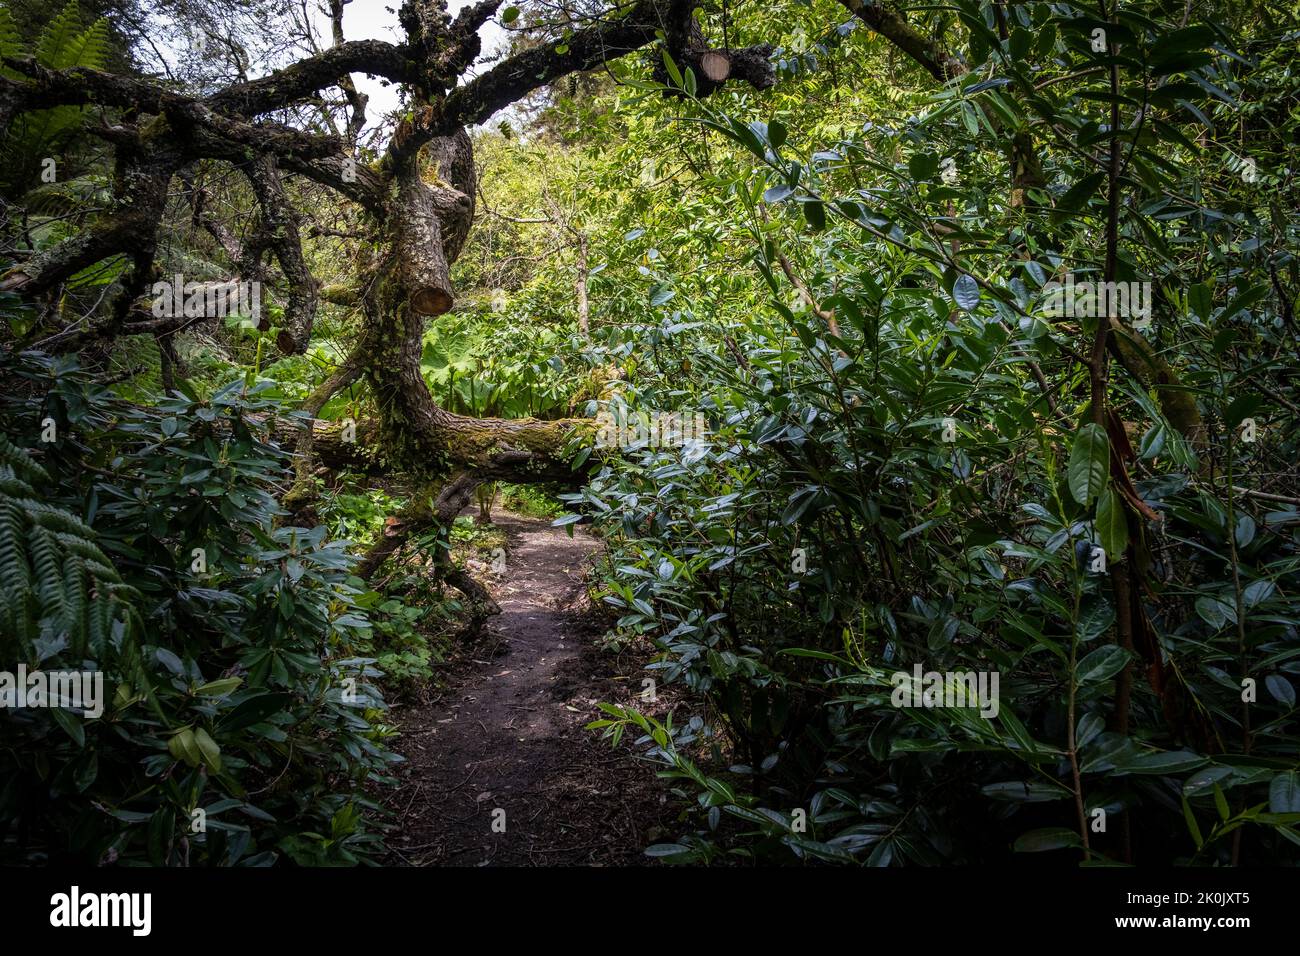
x=506, y=732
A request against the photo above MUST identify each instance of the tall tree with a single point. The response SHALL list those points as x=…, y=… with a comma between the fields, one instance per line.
x=418, y=200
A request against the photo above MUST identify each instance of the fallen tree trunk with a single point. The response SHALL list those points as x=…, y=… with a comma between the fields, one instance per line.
x=425, y=513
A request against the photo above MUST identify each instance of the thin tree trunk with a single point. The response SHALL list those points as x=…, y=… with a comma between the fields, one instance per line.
x=580, y=287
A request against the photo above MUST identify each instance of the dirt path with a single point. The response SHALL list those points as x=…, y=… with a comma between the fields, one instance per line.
x=507, y=734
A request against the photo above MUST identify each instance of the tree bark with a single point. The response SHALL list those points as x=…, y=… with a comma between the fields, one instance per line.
x=580, y=288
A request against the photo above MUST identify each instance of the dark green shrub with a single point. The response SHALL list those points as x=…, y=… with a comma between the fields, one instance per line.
x=241, y=726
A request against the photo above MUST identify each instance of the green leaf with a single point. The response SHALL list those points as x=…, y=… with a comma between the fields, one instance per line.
x=1095, y=620
x=1257, y=592
x=184, y=747
x=1281, y=689
x=162, y=826
x=71, y=723
x=1090, y=725
x=88, y=49
x=776, y=134
x=1200, y=300
x=1020, y=791
x=1007, y=717
x=58, y=37
x=1213, y=612
x=1245, y=531
x=169, y=660
x=1078, y=195
x=1111, y=523
x=1102, y=664
x=966, y=292
x=1242, y=407
x=1021, y=41
x=218, y=688
x=509, y=15
x=660, y=293
x=1192, y=827
x=10, y=42
x=1089, y=463
x=1221, y=804
x=209, y=752
x=1181, y=62
x=1284, y=793
x=1166, y=762
x=1196, y=37
x=923, y=166
x=1244, y=300
x=673, y=73
x=666, y=850
x=1204, y=779
x=815, y=213
x=254, y=710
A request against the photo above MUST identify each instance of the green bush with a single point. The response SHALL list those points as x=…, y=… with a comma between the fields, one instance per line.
x=242, y=726
x=926, y=482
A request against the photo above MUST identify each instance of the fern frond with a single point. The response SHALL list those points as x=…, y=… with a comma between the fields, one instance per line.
x=11, y=43
x=66, y=196
x=88, y=49
x=56, y=519
x=103, y=573
x=12, y=487
x=101, y=619
x=19, y=619
x=90, y=553
x=44, y=552
x=9, y=618
x=63, y=45
x=21, y=462
x=75, y=582
x=61, y=34
x=14, y=569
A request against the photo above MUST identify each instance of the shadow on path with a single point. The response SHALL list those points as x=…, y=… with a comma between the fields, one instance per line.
x=507, y=734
